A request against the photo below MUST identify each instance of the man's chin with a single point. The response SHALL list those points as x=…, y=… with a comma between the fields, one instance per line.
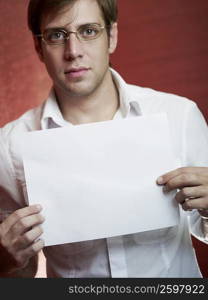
x=78, y=92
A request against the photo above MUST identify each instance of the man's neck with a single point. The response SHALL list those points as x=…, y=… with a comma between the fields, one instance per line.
x=99, y=106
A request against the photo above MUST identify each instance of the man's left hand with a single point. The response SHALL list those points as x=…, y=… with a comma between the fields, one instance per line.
x=192, y=183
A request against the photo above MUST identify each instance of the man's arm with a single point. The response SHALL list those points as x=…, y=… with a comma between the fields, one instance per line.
x=192, y=180
x=19, y=243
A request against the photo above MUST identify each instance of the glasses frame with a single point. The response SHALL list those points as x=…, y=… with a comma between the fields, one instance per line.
x=68, y=32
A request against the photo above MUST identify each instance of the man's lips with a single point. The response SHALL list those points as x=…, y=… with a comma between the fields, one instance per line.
x=76, y=72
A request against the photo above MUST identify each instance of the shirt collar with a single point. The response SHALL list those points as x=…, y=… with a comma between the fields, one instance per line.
x=52, y=116
x=128, y=101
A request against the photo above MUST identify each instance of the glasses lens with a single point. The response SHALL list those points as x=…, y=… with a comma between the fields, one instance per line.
x=54, y=36
x=89, y=32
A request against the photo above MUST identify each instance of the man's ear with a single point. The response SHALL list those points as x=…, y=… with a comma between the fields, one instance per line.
x=113, y=38
x=38, y=48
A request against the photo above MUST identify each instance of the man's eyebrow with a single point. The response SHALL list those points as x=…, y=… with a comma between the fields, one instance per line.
x=64, y=27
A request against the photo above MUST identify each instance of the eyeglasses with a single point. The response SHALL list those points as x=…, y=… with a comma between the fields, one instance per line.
x=59, y=36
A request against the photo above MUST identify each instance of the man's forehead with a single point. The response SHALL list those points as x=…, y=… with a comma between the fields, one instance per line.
x=78, y=13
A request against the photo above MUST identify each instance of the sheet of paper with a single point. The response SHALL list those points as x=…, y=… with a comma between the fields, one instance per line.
x=98, y=180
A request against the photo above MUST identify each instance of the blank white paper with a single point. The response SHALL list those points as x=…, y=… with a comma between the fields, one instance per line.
x=98, y=180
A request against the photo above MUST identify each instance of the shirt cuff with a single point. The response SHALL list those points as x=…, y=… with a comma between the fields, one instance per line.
x=196, y=225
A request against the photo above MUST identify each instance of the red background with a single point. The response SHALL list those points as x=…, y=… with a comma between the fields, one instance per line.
x=163, y=44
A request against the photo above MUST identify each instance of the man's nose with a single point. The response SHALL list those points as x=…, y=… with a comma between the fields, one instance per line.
x=73, y=47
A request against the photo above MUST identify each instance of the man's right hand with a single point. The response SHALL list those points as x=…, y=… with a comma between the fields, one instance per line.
x=19, y=241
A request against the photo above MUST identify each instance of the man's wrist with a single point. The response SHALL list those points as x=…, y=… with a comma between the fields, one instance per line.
x=28, y=271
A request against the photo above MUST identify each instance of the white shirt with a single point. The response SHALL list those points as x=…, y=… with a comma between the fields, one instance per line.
x=166, y=252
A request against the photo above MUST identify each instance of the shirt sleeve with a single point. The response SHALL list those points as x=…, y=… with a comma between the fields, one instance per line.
x=195, y=224
x=10, y=191
x=195, y=153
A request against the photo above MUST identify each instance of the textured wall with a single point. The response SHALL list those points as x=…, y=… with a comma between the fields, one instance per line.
x=162, y=44
x=23, y=80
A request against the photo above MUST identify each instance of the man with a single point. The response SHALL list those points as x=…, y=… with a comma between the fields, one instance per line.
x=74, y=39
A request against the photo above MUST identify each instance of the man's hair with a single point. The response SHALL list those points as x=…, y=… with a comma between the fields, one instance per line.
x=38, y=8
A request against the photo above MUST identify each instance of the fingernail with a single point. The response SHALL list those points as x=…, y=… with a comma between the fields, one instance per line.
x=42, y=218
x=38, y=206
x=160, y=180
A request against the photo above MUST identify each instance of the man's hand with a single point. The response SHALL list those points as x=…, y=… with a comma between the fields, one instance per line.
x=19, y=238
x=192, y=183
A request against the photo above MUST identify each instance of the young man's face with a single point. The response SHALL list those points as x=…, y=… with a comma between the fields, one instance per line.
x=78, y=68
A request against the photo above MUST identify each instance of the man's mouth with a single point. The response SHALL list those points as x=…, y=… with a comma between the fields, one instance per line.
x=76, y=72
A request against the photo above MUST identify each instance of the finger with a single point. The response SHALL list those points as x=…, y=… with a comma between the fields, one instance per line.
x=28, y=238
x=24, y=224
x=181, y=181
x=21, y=213
x=198, y=203
x=190, y=192
x=185, y=170
x=24, y=255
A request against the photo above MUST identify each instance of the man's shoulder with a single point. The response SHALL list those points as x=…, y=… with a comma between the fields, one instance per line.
x=148, y=97
x=29, y=121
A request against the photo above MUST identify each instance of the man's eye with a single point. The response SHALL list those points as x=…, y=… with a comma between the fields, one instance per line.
x=89, y=32
x=57, y=35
